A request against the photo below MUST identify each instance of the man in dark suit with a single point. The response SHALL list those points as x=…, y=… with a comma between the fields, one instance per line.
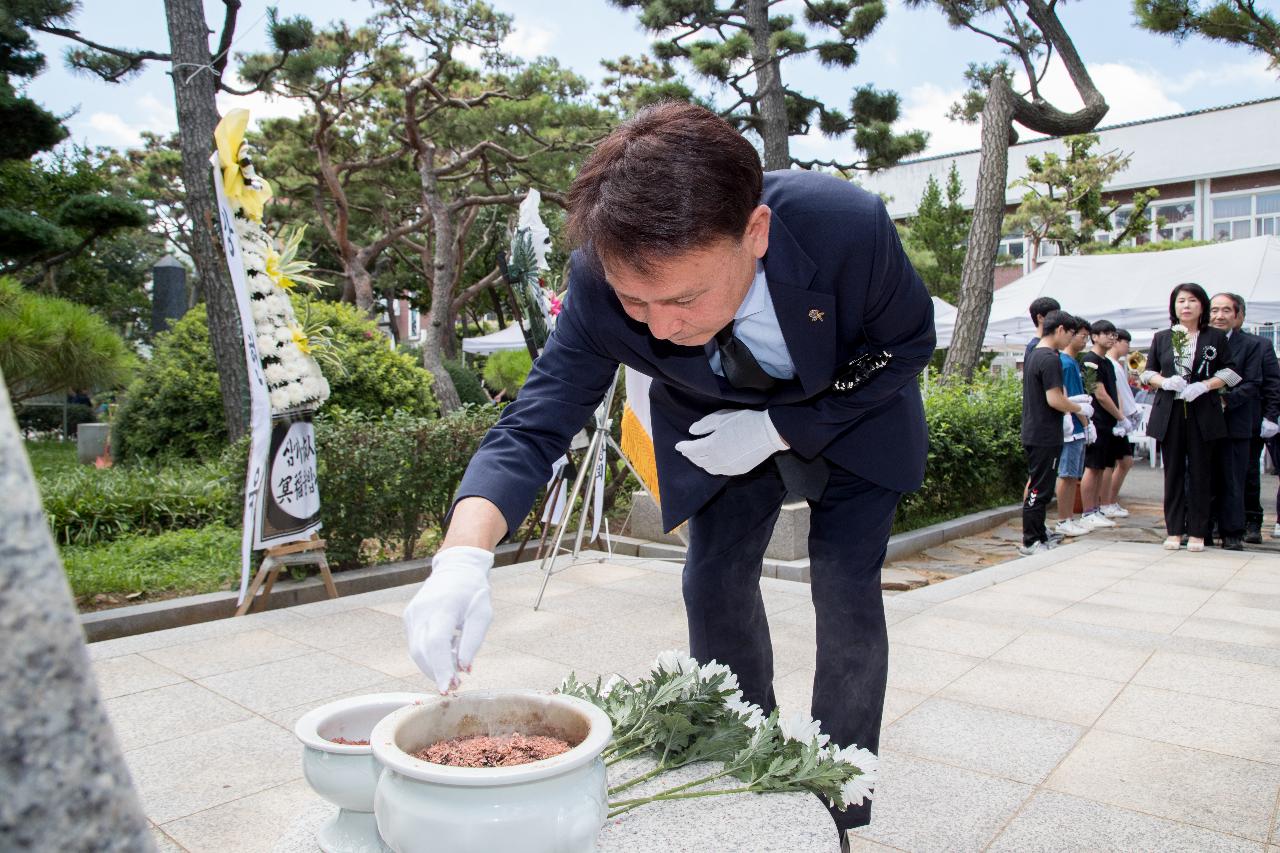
x=744, y=295
x=1269, y=413
x=1243, y=410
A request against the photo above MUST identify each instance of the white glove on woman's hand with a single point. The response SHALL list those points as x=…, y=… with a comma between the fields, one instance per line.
x=446, y=621
x=736, y=440
x=1192, y=391
x=1269, y=429
x=1068, y=426
x=1090, y=434
x=1120, y=430
x=1173, y=383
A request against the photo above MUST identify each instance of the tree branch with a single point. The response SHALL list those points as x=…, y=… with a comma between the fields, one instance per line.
x=74, y=35
x=228, y=33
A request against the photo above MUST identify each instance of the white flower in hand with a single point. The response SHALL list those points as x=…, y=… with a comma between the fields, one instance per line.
x=802, y=728
x=675, y=663
x=1178, y=327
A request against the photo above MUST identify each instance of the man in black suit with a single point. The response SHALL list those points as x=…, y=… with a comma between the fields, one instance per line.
x=1264, y=425
x=1234, y=454
x=745, y=296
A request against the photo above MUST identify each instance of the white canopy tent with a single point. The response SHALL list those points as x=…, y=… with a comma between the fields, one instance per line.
x=509, y=338
x=1132, y=290
x=944, y=323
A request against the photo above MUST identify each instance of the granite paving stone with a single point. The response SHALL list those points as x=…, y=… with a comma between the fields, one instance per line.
x=247, y=825
x=1233, y=680
x=1046, y=693
x=952, y=635
x=1204, y=789
x=926, y=670
x=224, y=654
x=287, y=718
x=190, y=633
x=348, y=626
x=165, y=713
x=1122, y=617
x=1059, y=823
x=926, y=806
x=1229, y=632
x=133, y=673
x=1013, y=746
x=1199, y=722
x=1075, y=654
x=163, y=843
x=282, y=684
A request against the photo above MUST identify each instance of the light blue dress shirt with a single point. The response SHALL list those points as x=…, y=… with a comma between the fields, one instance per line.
x=756, y=325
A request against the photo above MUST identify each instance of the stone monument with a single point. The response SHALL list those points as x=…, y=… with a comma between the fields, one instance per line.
x=63, y=781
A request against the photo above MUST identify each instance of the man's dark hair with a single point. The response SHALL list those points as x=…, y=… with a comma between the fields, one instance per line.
x=1102, y=327
x=1238, y=300
x=1054, y=319
x=1123, y=335
x=1041, y=308
x=1198, y=292
x=1082, y=323
x=672, y=178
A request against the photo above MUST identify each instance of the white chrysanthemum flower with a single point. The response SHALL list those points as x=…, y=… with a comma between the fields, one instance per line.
x=857, y=789
x=864, y=759
x=1178, y=327
x=802, y=728
x=708, y=671
x=324, y=389
x=276, y=374
x=266, y=345
x=753, y=713
x=675, y=662
x=278, y=400
x=283, y=334
x=611, y=684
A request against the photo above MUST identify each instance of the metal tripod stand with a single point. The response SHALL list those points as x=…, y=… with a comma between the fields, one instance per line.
x=584, y=485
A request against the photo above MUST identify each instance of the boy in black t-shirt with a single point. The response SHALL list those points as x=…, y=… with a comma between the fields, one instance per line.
x=1039, y=309
x=1043, y=404
x=1100, y=456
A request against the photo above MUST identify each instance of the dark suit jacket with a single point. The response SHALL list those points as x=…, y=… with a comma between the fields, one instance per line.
x=1213, y=354
x=841, y=286
x=1243, y=410
x=1270, y=381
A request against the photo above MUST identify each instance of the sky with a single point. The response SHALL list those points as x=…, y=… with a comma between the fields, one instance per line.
x=1142, y=75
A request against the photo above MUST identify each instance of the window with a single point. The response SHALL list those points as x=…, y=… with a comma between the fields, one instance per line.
x=1237, y=217
x=1179, y=220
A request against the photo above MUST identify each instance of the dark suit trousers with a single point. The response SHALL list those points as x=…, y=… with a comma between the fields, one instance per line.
x=1188, y=459
x=1253, y=484
x=1230, y=467
x=848, y=532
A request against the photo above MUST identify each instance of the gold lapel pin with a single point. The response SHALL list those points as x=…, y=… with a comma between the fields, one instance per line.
x=815, y=315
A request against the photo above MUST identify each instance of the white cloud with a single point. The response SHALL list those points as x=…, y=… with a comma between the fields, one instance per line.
x=154, y=114
x=1132, y=93
x=815, y=146
x=260, y=105
x=1252, y=73
x=529, y=41
x=925, y=107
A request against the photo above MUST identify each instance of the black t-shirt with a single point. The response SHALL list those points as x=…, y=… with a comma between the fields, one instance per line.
x=1041, y=423
x=1102, y=419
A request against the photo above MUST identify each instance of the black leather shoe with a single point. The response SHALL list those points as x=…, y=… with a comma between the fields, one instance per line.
x=1253, y=534
x=1232, y=543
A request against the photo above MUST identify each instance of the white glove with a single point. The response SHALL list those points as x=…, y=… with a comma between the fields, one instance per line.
x=1090, y=434
x=1120, y=430
x=1068, y=426
x=446, y=621
x=1192, y=391
x=1269, y=428
x=1086, y=408
x=1173, y=383
x=736, y=440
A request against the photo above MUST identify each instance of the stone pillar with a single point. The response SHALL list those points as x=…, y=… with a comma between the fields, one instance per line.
x=63, y=781
x=168, y=293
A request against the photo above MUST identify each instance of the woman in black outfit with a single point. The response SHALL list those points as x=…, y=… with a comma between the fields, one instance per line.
x=1187, y=414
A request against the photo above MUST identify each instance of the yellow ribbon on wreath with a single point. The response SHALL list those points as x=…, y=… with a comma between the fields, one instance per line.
x=251, y=192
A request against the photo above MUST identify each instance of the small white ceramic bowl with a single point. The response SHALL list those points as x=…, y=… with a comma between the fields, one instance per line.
x=556, y=805
x=347, y=774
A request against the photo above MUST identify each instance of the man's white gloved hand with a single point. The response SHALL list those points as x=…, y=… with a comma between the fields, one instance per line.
x=1090, y=434
x=1174, y=384
x=1086, y=408
x=1192, y=391
x=446, y=621
x=734, y=442
x=1068, y=426
x=1269, y=428
x=1120, y=430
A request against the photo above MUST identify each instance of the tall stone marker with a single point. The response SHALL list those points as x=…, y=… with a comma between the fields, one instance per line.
x=168, y=294
x=63, y=781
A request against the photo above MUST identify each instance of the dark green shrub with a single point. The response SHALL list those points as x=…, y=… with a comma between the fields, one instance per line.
x=506, y=371
x=975, y=450
x=390, y=478
x=467, y=383
x=179, y=561
x=87, y=505
x=46, y=419
x=174, y=409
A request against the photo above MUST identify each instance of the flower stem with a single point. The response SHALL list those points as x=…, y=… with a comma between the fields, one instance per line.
x=624, y=806
x=615, y=758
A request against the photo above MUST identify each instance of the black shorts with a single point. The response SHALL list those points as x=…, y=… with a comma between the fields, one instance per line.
x=1103, y=452
x=1124, y=447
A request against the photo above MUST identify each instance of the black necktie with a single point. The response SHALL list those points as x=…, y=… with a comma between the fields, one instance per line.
x=739, y=365
x=806, y=478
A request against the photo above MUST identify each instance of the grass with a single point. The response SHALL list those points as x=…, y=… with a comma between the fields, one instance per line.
x=140, y=568
x=51, y=457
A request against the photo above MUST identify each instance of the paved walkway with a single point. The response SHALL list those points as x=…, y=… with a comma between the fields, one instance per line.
x=1103, y=696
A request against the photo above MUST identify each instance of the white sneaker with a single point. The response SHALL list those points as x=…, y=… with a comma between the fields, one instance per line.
x=1275, y=533
x=1096, y=520
x=1114, y=511
x=1035, y=548
x=1071, y=527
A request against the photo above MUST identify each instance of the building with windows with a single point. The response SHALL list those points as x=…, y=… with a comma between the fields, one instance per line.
x=1217, y=170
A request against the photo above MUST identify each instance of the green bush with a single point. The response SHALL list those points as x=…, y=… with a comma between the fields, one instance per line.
x=47, y=419
x=88, y=505
x=174, y=408
x=390, y=478
x=467, y=383
x=178, y=561
x=506, y=370
x=975, y=450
